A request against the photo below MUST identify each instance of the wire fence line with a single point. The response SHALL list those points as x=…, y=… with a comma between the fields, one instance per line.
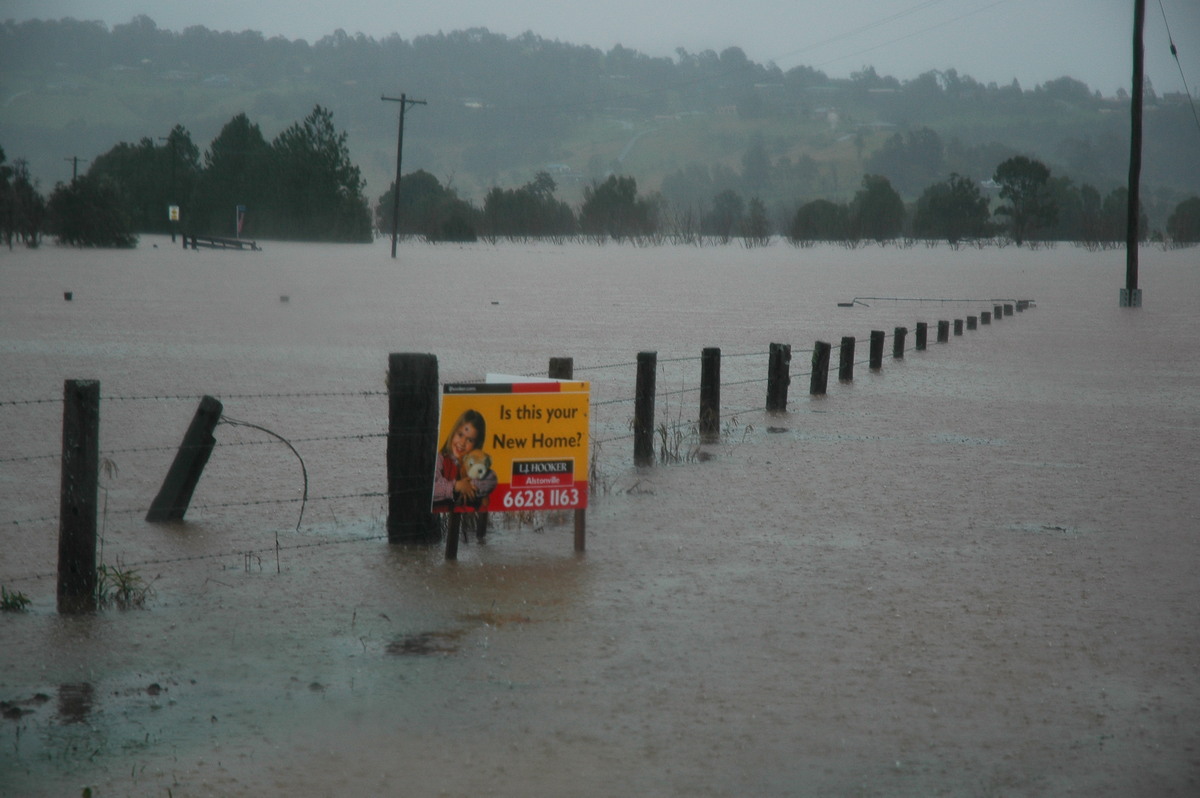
x=607, y=428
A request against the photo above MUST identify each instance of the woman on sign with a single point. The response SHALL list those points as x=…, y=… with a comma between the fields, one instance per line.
x=452, y=488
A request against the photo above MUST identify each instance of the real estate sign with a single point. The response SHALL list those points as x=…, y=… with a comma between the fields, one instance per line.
x=520, y=445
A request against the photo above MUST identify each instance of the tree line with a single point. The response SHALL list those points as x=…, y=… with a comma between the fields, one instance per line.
x=303, y=186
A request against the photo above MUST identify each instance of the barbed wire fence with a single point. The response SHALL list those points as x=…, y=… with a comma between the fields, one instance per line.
x=298, y=471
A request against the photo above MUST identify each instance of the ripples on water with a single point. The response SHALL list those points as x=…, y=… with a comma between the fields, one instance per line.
x=970, y=529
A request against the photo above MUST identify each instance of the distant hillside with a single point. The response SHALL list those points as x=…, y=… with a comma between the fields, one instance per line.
x=500, y=109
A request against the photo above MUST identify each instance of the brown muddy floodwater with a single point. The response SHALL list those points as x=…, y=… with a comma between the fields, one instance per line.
x=974, y=572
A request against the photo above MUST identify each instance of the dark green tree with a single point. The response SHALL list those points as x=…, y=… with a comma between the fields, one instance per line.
x=953, y=209
x=725, y=218
x=613, y=208
x=427, y=209
x=1031, y=207
x=531, y=210
x=317, y=188
x=1183, y=226
x=237, y=171
x=877, y=212
x=22, y=208
x=819, y=220
x=89, y=212
x=756, y=227
x=149, y=177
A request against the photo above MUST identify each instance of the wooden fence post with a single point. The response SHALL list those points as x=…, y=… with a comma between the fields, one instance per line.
x=710, y=394
x=898, y=342
x=985, y=317
x=78, y=496
x=943, y=332
x=846, y=359
x=175, y=493
x=972, y=322
x=997, y=313
x=958, y=326
x=563, y=368
x=1008, y=309
x=778, y=377
x=643, y=409
x=820, y=368
x=877, y=337
x=922, y=333
x=412, y=447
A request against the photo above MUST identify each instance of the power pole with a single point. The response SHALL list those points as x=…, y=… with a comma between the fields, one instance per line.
x=75, y=159
x=1131, y=295
x=404, y=103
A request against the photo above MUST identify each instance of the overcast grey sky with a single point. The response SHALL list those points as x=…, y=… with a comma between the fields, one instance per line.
x=990, y=40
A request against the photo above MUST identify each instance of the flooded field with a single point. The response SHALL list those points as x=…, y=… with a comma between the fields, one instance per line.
x=970, y=573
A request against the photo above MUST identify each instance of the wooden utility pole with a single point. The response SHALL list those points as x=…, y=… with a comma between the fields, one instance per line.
x=1131, y=296
x=75, y=159
x=404, y=103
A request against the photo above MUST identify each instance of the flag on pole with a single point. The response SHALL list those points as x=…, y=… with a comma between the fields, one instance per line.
x=241, y=219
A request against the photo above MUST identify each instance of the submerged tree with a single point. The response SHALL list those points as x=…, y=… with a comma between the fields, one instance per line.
x=953, y=209
x=89, y=212
x=877, y=212
x=1031, y=207
x=613, y=208
x=318, y=189
x=819, y=220
x=1184, y=224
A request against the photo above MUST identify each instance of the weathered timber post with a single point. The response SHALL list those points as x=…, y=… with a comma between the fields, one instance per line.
x=1008, y=309
x=985, y=317
x=78, y=494
x=877, y=337
x=943, y=332
x=412, y=447
x=972, y=322
x=846, y=359
x=778, y=377
x=453, y=533
x=997, y=313
x=710, y=394
x=958, y=326
x=175, y=494
x=898, y=342
x=643, y=409
x=820, y=368
x=563, y=368
x=922, y=334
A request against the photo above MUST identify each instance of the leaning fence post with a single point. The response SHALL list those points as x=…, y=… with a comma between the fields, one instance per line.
x=643, y=409
x=922, y=333
x=820, y=368
x=412, y=447
x=846, y=359
x=710, y=393
x=877, y=337
x=778, y=378
x=898, y=343
x=943, y=334
x=175, y=494
x=78, y=494
x=563, y=368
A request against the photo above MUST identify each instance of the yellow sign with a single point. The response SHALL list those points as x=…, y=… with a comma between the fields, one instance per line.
x=173, y=213
x=512, y=446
